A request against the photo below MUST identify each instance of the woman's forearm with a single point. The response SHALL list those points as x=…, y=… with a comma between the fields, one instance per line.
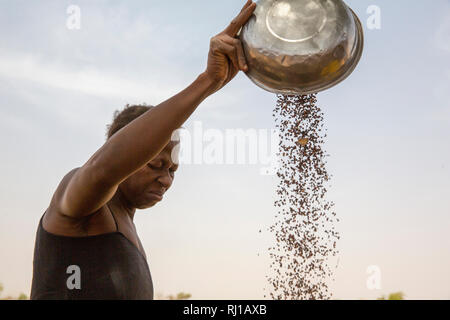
x=141, y=140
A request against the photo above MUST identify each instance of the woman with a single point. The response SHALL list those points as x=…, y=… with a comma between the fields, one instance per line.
x=86, y=245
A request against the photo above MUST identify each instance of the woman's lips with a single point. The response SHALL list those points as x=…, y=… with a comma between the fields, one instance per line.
x=156, y=196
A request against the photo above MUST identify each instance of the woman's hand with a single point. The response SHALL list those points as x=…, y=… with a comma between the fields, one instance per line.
x=226, y=55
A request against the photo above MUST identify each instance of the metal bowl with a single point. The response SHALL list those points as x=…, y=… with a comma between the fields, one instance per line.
x=301, y=46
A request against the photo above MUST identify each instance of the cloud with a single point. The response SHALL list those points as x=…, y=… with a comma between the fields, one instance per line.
x=442, y=36
x=441, y=88
x=86, y=80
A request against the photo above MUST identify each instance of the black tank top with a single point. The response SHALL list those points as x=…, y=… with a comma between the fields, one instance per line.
x=106, y=266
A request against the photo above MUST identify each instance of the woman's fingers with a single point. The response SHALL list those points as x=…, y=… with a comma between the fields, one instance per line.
x=230, y=51
x=249, y=2
x=241, y=19
x=226, y=56
x=237, y=44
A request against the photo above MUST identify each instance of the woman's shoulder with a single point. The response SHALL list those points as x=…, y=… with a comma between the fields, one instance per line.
x=53, y=221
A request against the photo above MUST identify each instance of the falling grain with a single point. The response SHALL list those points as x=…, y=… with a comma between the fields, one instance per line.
x=304, y=228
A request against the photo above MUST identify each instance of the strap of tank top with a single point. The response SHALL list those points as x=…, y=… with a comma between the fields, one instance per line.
x=117, y=226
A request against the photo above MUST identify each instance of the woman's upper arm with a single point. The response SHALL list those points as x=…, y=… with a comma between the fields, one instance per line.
x=82, y=192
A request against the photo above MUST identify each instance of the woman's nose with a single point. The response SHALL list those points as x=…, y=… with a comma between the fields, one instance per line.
x=165, y=180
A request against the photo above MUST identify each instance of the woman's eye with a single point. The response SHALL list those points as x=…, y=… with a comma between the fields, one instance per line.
x=160, y=166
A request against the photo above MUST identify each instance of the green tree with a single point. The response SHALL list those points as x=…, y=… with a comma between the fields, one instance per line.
x=180, y=296
x=394, y=296
x=22, y=296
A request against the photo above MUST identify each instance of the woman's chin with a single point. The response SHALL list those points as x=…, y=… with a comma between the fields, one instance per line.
x=148, y=204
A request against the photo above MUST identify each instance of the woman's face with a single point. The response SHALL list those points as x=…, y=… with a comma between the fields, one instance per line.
x=147, y=186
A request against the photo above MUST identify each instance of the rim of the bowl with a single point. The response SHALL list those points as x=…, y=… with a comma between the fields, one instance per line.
x=345, y=75
x=356, y=58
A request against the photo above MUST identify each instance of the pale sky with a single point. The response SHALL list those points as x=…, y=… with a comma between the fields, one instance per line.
x=388, y=132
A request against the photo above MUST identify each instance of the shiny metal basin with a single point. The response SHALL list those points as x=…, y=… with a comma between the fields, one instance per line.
x=301, y=46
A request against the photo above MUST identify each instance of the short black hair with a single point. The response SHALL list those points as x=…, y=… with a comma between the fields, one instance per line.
x=124, y=117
